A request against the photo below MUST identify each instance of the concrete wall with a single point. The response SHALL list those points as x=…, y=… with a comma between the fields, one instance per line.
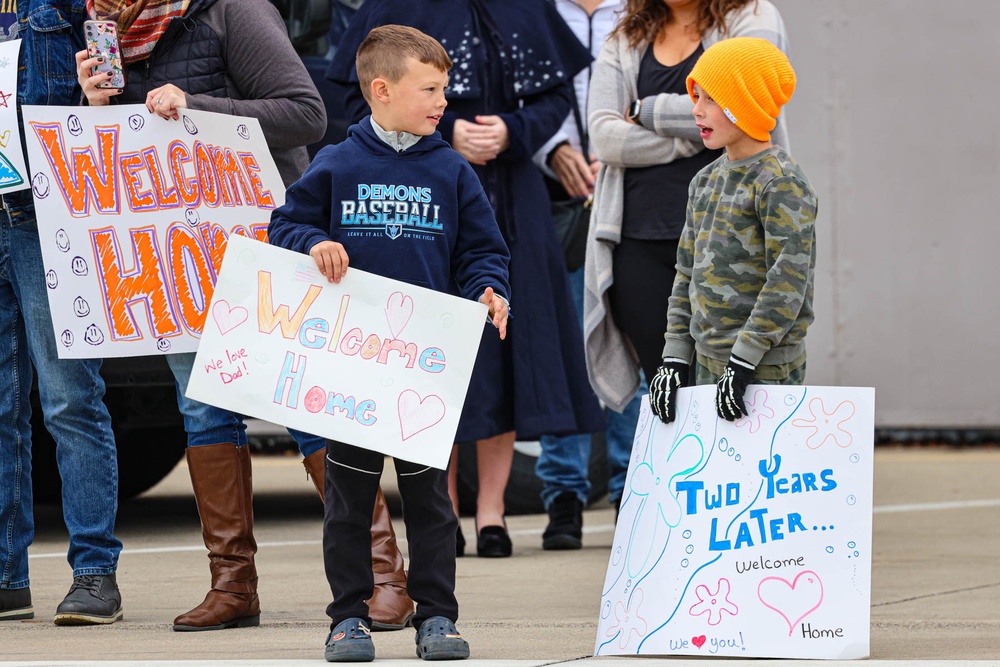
x=895, y=121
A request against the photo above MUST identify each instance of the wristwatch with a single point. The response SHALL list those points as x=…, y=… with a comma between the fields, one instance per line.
x=633, y=111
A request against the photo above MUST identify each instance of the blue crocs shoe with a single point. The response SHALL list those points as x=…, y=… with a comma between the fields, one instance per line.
x=350, y=641
x=437, y=639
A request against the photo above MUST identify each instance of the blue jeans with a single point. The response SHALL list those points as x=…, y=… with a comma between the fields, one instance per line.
x=71, y=393
x=208, y=425
x=565, y=462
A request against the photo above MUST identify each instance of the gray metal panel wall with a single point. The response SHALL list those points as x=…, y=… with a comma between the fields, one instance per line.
x=895, y=121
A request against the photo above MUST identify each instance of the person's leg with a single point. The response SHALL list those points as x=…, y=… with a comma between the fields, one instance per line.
x=390, y=607
x=430, y=528
x=307, y=442
x=494, y=457
x=453, y=480
x=205, y=424
x=17, y=527
x=620, y=434
x=430, y=534
x=564, y=469
x=643, y=277
x=352, y=481
x=71, y=392
x=453, y=495
x=222, y=480
x=702, y=375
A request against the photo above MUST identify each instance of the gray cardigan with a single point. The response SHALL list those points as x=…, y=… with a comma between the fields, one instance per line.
x=611, y=363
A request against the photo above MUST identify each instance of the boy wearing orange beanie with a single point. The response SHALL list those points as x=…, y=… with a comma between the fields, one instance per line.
x=742, y=298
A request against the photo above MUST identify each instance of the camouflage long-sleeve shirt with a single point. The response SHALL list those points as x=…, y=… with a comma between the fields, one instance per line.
x=745, y=262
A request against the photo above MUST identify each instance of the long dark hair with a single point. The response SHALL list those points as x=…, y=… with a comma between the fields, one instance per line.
x=641, y=20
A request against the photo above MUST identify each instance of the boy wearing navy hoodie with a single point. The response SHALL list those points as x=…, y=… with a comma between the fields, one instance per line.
x=396, y=200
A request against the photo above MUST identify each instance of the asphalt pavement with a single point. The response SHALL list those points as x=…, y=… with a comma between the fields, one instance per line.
x=935, y=573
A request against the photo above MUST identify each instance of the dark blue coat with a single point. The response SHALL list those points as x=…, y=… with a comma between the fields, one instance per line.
x=513, y=58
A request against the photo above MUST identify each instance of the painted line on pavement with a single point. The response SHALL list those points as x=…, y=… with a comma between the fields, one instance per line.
x=602, y=528
x=928, y=507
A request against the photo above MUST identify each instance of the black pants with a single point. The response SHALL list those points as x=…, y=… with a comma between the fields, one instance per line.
x=352, y=480
x=643, y=278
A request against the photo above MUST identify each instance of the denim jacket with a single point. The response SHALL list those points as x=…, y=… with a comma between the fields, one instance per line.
x=51, y=32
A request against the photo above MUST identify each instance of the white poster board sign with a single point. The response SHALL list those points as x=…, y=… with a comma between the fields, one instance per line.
x=13, y=173
x=746, y=539
x=133, y=216
x=369, y=361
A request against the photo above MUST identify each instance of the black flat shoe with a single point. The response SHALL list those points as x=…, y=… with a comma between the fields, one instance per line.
x=459, y=542
x=493, y=542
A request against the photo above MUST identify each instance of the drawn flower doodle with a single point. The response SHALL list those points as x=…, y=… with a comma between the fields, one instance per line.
x=628, y=621
x=757, y=412
x=660, y=510
x=714, y=604
x=826, y=425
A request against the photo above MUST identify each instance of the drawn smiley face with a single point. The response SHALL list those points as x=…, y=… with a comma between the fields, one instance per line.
x=136, y=122
x=190, y=126
x=93, y=335
x=192, y=217
x=51, y=279
x=243, y=131
x=162, y=344
x=62, y=240
x=40, y=185
x=79, y=266
x=74, y=125
x=80, y=307
x=66, y=338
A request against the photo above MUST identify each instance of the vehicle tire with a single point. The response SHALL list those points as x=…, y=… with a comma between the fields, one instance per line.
x=149, y=434
x=523, y=495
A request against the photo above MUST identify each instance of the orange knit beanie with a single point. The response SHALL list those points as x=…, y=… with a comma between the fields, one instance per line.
x=750, y=78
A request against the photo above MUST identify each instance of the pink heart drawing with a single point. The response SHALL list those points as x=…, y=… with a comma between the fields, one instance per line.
x=398, y=311
x=227, y=318
x=416, y=414
x=792, y=600
x=699, y=641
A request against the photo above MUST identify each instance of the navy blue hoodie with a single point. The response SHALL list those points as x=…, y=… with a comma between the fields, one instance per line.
x=420, y=216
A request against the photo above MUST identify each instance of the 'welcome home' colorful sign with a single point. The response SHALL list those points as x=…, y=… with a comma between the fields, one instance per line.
x=369, y=361
x=133, y=215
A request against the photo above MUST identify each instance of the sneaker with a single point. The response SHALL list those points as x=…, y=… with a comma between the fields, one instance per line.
x=350, y=641
x=565, y=529
x=438, y=639
x=93, y=599
x=15, y=604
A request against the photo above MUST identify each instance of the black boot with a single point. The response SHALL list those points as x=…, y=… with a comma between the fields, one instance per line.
x=565, y=529
x=15, y=604
x=92, y=600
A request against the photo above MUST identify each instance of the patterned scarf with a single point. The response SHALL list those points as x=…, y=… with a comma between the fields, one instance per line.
x=140, y=22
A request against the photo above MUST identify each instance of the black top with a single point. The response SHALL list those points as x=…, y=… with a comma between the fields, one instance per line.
x=656, y=197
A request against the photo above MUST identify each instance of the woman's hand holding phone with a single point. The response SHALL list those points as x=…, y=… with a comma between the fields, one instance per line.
x=100, y=68
x=89, y=82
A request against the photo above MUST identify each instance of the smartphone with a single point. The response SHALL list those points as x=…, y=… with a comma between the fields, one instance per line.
x=102, y=40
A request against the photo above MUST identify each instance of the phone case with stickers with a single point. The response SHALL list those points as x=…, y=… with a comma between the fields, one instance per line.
x=102, y=40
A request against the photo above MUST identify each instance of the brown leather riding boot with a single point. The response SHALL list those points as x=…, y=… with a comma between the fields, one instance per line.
x=223, y=488
x=390, y=607
x=315, y=465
